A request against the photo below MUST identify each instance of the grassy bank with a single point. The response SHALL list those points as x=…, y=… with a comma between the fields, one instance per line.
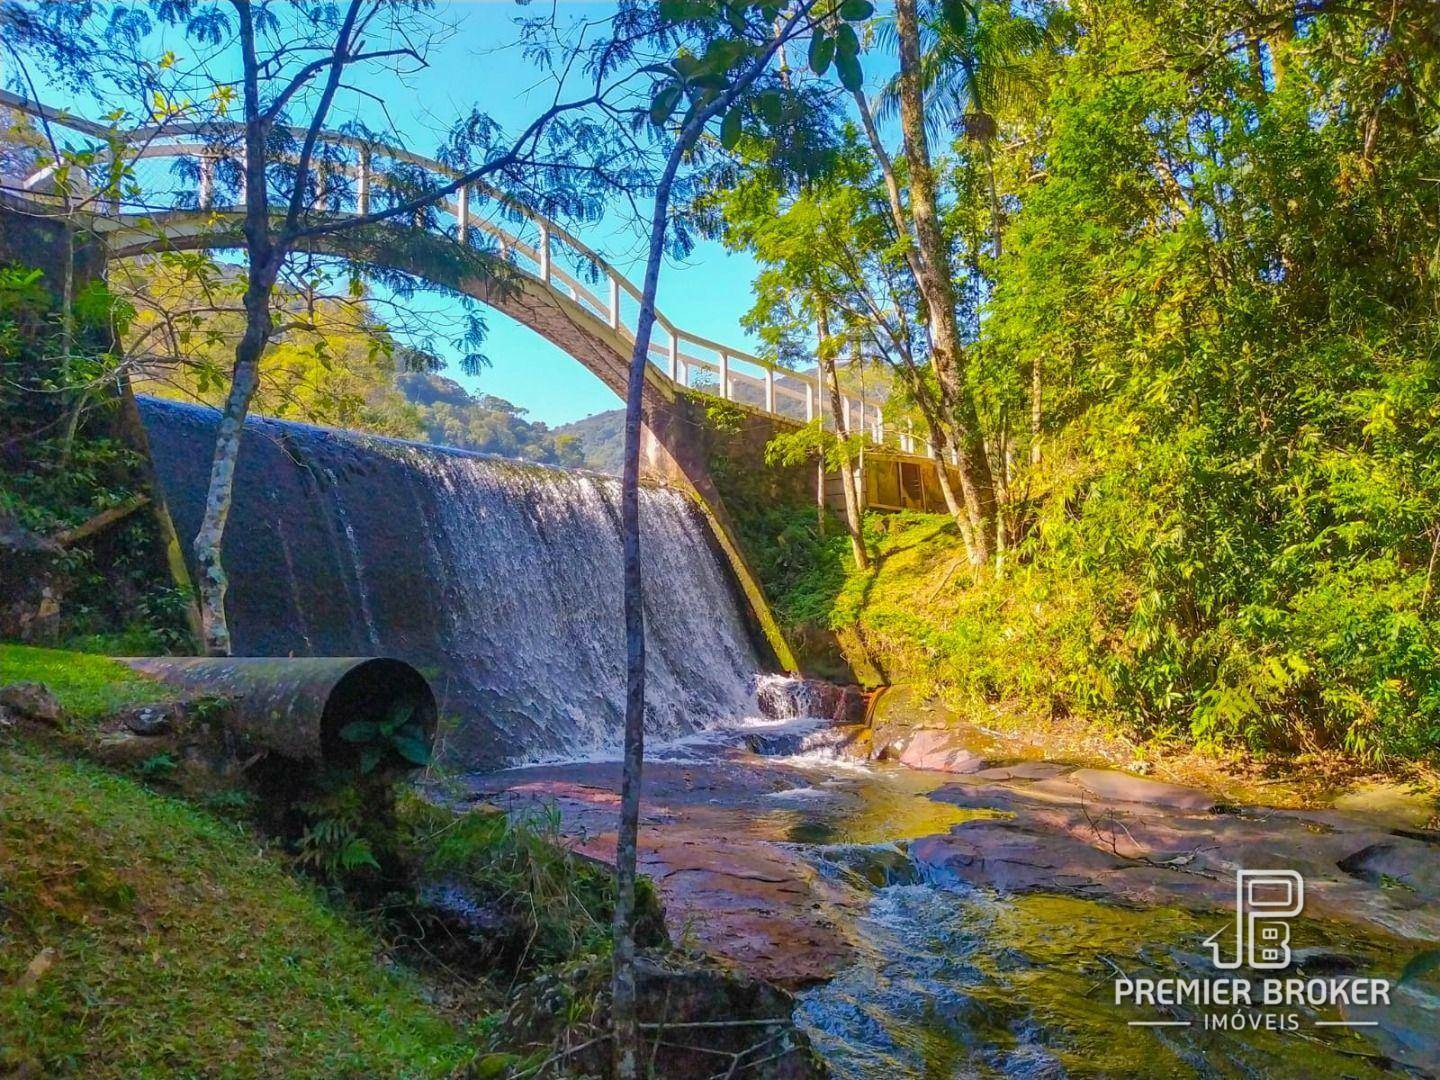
x=146, y=934
x=142, y=936
x=88, y=686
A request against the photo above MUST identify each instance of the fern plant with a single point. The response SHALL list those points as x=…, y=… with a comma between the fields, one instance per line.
x=333, y=843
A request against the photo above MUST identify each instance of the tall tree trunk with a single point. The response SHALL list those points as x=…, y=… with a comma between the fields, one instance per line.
x=625, y=1023
x=938, y=288
x=625, y=1019
x=1036, y=415
x=212, y=582
x=913, y=259
x=953, y=501
x=853, y=521
x=263, y=261
x=820, y=495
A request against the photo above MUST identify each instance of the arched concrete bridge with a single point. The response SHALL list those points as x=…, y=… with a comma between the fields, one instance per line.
x=535, y=271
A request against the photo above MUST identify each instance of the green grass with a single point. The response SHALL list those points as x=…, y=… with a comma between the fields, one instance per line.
x=182, y=946
x=87, y=685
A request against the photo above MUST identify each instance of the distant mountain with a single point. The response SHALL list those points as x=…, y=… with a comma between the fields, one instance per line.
x=601, y=437
x=451, y=416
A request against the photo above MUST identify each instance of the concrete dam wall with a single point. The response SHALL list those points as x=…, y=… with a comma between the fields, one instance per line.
x=499, y=580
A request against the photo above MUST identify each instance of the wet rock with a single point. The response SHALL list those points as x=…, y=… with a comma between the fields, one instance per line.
x=1011, y=857
x=1317, y=960
x=1180, y=857
x=878, y=865
x=1405, y=1029
x=1122, y=787
x=155, y=719
x=784, y=699
x=754, y=903
x=970, y=793
x=1022, y=771
x=899, y=713
x=940, y=751
x=32, y=701
x=1394, y=864
x=801, y=739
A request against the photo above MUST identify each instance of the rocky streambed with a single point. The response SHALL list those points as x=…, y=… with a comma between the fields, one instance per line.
x=976, y=919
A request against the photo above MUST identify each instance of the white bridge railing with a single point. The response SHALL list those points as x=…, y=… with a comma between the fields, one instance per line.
x=351, y=170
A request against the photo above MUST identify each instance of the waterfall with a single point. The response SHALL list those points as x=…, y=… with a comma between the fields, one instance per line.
x=499, y=580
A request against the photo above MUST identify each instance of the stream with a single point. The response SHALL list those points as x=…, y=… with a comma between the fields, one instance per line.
x=801, y=864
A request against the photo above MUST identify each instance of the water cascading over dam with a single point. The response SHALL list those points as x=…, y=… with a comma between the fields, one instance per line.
x=499, y=580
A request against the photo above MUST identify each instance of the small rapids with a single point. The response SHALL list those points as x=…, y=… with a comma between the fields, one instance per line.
x=955, y=981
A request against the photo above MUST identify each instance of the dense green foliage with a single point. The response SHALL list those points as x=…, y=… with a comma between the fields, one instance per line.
x=1230, y=261
x=1195, y=247
x=65, y=461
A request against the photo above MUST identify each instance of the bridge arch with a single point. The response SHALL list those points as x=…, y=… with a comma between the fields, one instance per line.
x=601, y=348
x=679, y=359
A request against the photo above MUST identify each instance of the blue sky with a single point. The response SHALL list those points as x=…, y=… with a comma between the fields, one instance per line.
x=481, y=66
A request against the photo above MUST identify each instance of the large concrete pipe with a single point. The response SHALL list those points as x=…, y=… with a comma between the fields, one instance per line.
x=297, y=706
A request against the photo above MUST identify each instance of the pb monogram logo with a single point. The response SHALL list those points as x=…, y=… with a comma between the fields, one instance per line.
x=1264, y=902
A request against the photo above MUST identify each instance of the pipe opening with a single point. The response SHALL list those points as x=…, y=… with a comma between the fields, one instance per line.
x=375, y=705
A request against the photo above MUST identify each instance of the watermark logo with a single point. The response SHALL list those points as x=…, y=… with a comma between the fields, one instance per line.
x=1265, y=901
x=1258, y=941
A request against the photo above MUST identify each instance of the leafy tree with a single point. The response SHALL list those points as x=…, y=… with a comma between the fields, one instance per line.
x=723, y=69
x=936, y=282
x=329, y=361
x=1228, y=258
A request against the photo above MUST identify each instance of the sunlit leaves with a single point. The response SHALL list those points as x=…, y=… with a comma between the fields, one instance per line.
x=737, y=33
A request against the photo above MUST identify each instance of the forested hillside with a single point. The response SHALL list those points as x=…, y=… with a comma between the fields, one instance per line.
x=602, y=439
x=333, y=363
x=451, y=416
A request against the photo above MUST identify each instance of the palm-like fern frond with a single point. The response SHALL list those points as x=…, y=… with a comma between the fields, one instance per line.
x=975, y=62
